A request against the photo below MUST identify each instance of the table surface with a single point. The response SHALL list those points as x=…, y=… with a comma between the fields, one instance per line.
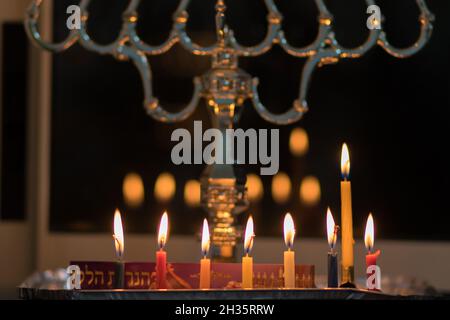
x=254, y=294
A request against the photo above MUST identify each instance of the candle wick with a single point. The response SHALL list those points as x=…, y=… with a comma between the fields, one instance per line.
x=119, y=252
x=336, y=229
x=331, y=250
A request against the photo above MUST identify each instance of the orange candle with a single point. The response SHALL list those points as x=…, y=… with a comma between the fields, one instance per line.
x=161, y=256
x=247, y=260
x=205, y=263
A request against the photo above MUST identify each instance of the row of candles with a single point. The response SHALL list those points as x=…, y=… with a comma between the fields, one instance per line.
x=347, y=272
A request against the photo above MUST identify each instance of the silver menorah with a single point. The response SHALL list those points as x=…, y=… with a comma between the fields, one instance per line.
x=225, y=86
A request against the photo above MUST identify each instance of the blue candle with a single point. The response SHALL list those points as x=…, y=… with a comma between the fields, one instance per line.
x=332, y=254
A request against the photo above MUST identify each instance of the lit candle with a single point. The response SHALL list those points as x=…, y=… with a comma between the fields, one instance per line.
x=373, y=271
x=332, y=230
x=347, y=272
x=161, y=257
x=289, y=255
x=119, y=243
x=247, y=261
x=205, y=263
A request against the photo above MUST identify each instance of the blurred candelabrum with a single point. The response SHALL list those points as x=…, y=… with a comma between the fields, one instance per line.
x=225, y=86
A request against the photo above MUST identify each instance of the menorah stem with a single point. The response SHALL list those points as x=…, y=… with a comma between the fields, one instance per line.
x=223, y=189
x=220, y=22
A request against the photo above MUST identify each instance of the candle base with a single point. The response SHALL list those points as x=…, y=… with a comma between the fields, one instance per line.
x=119, y=269
x=347, y=285
x=348, y=277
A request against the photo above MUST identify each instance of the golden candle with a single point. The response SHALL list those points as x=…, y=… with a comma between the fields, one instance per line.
x=347, y=274
x=289, y=255
x=205, y=263
x=247, y=261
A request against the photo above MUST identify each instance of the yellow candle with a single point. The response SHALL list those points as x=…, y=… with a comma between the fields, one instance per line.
x=247, y=272
x=347, y=274
x=205, y=263
x=247, y=261
x=289, y=255
x=289, y=269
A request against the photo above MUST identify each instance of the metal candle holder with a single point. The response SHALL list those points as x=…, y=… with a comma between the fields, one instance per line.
x=225, y=86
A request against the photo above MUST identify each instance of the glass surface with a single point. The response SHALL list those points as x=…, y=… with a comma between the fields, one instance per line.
x=392, y=113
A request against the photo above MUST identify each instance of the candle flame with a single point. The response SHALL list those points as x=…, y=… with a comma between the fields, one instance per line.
x=249, y=236
x=345, y=161
x=289, y=230
x=331, y=230
x=133, y=190
x=281, y=187
x=163, y=230
x=369, y=237
x=205, y=238
x=255, y=189
x=192, y=193
x=298, y=142
x=118, y=235
x=165, y=187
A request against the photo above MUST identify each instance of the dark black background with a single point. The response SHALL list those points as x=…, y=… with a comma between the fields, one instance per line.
x=392, y=112
x=14, y=74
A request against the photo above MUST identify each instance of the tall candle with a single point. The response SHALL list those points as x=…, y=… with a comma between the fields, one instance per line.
x=289, y=255
x=119, y=266
x=205, y=263
x=373, y=271
x=247, y=260
x=161, y=256
x=332, y=230
x=347, y=272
